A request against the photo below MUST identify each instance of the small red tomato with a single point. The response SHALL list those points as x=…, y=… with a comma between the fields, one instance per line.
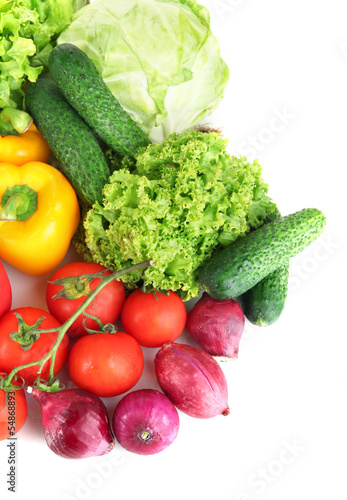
x=5, y=291
x=14, y=414
x=70, y=286
x=106, y=364
x=19, y=346
x=154, y=318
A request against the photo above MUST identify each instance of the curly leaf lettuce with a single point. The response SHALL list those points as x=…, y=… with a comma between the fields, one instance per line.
x=28, y=30
x=180, y=201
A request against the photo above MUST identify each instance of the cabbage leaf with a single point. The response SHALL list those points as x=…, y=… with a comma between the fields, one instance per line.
x=159, y=58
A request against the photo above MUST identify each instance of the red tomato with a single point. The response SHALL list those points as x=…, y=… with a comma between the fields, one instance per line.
x=5, y=291
x=12, y=354
x=106, y=364
x=106, y=306
x=154, y=319
x=13, y=416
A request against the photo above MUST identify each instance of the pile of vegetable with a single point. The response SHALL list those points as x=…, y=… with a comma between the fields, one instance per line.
x=159, y=212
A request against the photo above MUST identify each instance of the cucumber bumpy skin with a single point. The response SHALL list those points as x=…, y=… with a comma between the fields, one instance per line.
x=70, y=139
x=83, y=87
x=264, y=302
x=237, y=268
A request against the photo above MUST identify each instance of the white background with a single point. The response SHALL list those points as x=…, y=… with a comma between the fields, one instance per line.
x=286, y=435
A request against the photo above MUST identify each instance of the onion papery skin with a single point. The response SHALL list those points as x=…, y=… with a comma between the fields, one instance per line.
x=217, y=326
x=75, y=423
x=192, y=379
x=145, y=422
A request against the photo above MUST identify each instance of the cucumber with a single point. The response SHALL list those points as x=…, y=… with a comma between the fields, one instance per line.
x=264, y=302
x=70, y=139
x=237, y=268
x=82, y=85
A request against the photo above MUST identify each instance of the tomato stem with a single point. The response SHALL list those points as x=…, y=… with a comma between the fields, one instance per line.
x=65, y=326
x=107, y=328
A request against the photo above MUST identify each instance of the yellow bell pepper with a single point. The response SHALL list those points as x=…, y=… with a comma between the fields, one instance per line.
x=20, y=149
x=39, y=214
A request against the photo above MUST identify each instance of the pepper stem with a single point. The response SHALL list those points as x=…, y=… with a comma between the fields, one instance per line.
x=18, y=203
x=14, y=121
x=65, y=326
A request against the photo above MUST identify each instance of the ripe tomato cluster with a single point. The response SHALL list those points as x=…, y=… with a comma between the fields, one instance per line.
x=99, y=358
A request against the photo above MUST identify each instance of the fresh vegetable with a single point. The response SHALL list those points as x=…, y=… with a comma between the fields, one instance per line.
x=159, y=58
x=237, y=268
x=39, y=214
x=71, y=284
x=145, y=422
x=5, y=291
x=75, y=423
x=28, y=31
x=107, y=364
x=154, y=318
x=192, y=379
x=29, y=146
x=263, y=303
x=51, y=384
x=13, y=409
x=217, y=326
x=181, y=201
x=70, y=139
x=83, y=87
x=21, y=342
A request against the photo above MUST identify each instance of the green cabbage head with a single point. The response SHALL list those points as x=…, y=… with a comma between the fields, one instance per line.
x=158, y=57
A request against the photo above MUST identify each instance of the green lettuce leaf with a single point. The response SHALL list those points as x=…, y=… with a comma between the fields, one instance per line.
x=184, y=198
x=159, y=58
x=28, y=30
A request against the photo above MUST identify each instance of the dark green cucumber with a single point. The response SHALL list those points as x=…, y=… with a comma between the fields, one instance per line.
x=82, y=85
x=70, y=140
x=264, y=302
x=237, y=268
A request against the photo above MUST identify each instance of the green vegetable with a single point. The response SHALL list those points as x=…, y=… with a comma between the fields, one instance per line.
x=264, y=302
x=82, y=85
x=237, y=268
x=28, y=30
x=69, y=138
x=158, y=57
x=176, y=204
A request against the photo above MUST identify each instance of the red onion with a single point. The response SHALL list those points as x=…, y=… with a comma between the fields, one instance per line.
x=192, y=379
x=145, y=422
x=217, y=326
x=75, y=423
